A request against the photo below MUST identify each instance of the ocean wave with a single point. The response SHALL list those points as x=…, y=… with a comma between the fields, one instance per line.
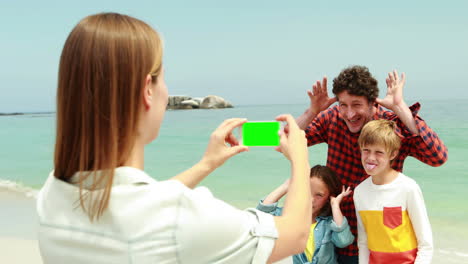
x=453, y=252
x=7, y=185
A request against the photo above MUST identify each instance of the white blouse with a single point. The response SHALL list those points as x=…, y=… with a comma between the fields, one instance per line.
x=149, y=221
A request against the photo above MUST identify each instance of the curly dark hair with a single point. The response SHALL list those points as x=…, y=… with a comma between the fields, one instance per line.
x=332, y=182
x=356, y=80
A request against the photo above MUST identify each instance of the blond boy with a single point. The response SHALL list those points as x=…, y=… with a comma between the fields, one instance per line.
x=393, y=226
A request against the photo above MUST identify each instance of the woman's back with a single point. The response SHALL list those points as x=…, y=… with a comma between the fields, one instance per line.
x=149, y=221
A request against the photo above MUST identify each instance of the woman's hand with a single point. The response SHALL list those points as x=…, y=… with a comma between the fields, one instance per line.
x=293, y=143
x=294, y=224
x=221, y=147
x=223, y=144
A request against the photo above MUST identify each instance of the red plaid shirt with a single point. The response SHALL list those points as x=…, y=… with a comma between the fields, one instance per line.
x=344, y=155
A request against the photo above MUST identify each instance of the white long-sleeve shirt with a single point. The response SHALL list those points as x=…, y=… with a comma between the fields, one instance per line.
x=149, y=221
x=393, y=226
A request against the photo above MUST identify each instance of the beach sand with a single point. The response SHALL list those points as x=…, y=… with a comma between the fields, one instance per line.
x=19, y=222
x=19, y=251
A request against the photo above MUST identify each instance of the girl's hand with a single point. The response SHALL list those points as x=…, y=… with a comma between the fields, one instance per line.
x=335, y=201
x=223, y=144
x=285, y=185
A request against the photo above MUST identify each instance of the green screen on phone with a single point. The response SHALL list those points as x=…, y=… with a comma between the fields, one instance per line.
x=261, y=133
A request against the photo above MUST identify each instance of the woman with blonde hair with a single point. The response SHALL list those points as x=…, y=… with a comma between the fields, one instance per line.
x=99, y=206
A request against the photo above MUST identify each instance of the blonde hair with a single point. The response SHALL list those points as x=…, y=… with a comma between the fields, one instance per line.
x=103, y=67
x=380, y=132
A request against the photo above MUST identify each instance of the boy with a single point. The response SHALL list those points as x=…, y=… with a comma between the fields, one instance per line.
x=393, y=226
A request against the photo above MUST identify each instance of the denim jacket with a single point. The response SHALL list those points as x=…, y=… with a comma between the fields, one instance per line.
x=327, y=235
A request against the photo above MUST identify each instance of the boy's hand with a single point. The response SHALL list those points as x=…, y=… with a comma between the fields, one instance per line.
x=335, y=201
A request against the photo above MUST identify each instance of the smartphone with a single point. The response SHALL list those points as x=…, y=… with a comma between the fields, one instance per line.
x=260, y=133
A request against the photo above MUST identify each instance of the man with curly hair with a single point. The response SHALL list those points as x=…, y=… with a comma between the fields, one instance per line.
x=339, y=126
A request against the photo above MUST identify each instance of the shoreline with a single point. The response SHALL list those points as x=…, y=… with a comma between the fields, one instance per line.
x=26, y=113
x=19, y=241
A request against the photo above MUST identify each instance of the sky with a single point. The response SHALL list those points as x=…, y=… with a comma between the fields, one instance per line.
x=250, y=52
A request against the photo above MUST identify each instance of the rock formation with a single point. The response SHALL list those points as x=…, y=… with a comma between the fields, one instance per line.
x=187, y=102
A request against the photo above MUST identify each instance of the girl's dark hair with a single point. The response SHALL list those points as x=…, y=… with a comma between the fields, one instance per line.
x=328, y=176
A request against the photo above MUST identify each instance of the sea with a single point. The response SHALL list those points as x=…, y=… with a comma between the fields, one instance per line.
x=27, y=144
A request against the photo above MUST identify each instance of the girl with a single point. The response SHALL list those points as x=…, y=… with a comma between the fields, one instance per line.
x=329, y=227
x=99, y=206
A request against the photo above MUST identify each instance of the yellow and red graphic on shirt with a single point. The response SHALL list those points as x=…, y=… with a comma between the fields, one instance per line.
x=390, y=236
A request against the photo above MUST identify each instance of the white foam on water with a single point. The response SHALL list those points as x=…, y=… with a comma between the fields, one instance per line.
x=18, y=188
x=465, y=255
